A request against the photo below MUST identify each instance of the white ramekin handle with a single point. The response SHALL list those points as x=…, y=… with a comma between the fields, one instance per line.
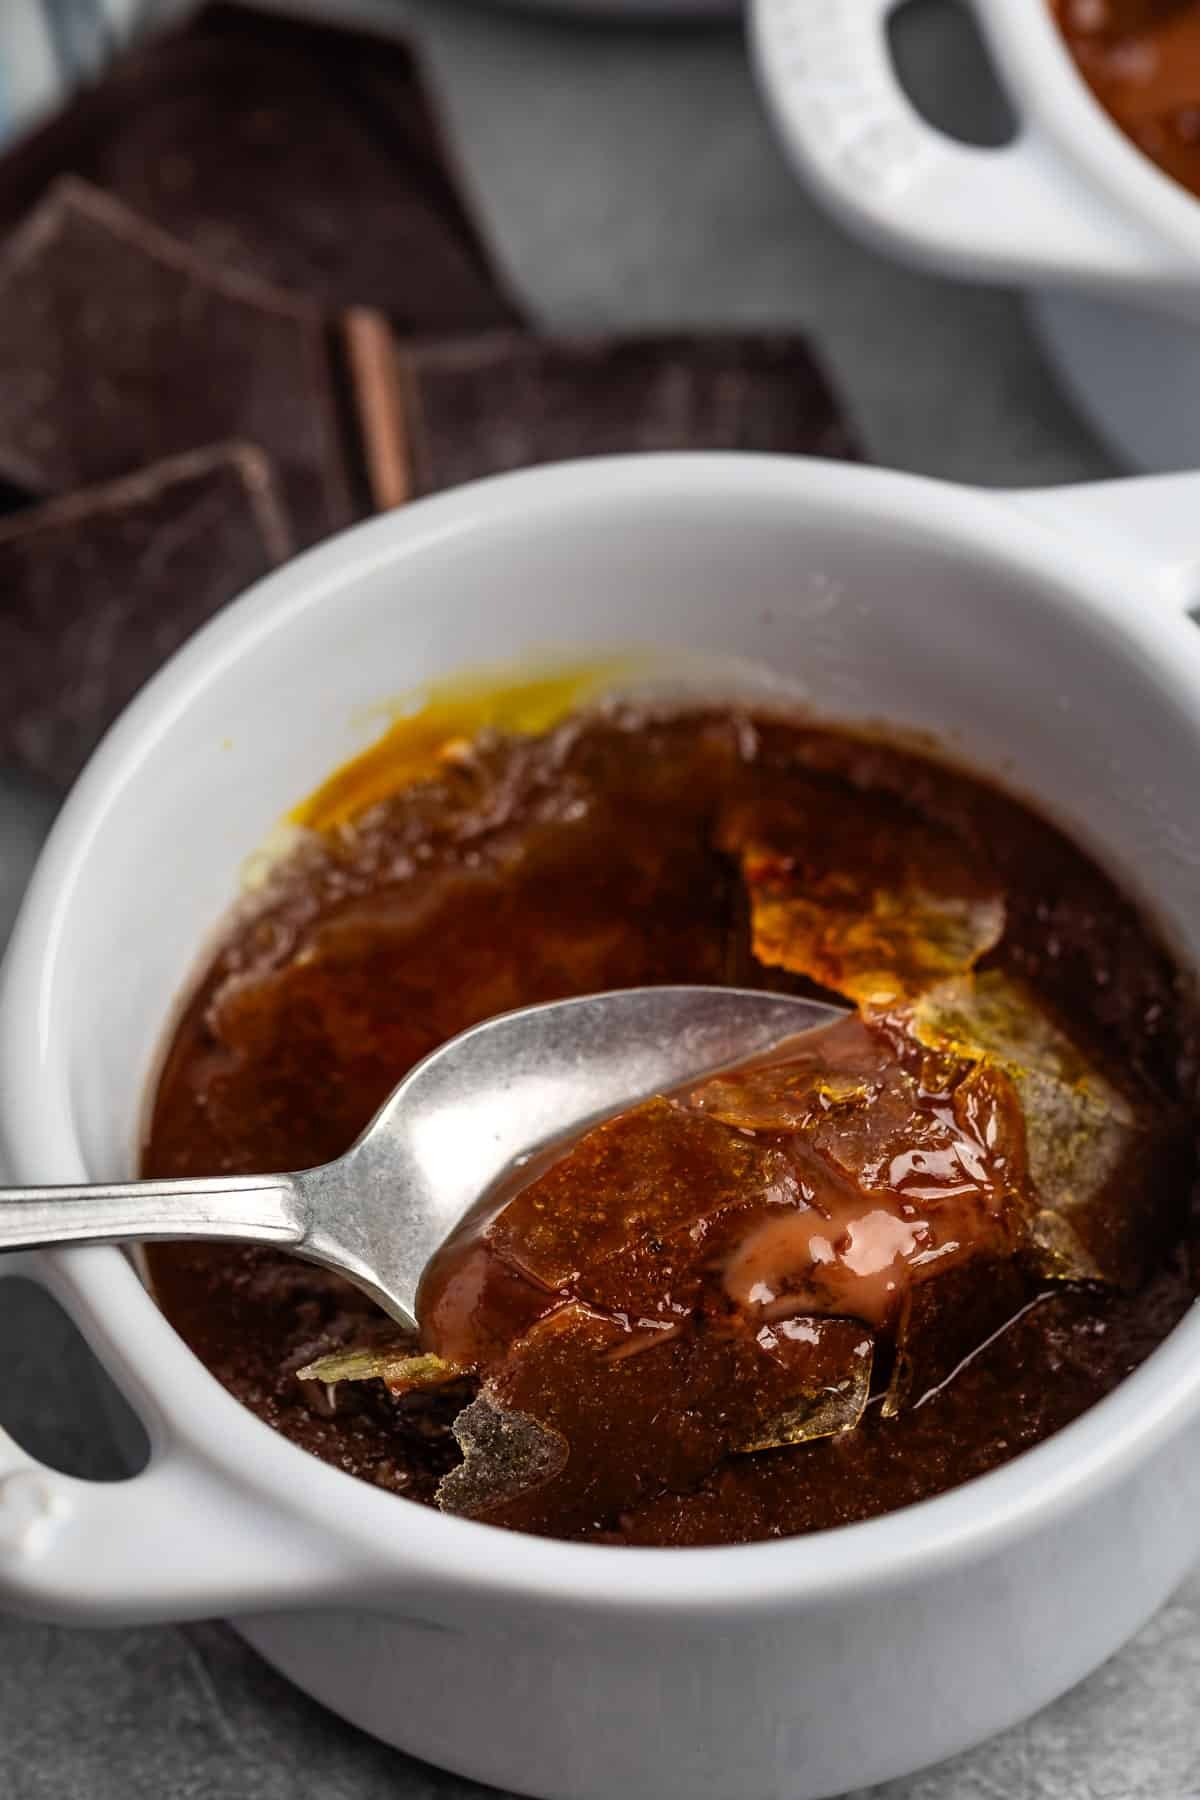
x=1151, y=521
x=1019, y=212
x=180, y=1540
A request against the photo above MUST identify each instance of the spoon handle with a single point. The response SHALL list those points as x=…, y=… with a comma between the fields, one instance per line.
x=252, y=1209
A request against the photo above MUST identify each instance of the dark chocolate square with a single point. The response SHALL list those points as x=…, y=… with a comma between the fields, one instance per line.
x=118, y=347
x=481, y=406
x=307, y=155
x=101, y=586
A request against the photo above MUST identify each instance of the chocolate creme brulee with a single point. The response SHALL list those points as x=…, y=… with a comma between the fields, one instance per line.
x=1141, y=58
x=882, y=1260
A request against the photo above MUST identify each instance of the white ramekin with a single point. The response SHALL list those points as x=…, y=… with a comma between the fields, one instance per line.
x=1043, y=638
x=1107, y=245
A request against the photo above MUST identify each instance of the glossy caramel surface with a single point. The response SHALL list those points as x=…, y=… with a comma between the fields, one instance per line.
x=807, y=1292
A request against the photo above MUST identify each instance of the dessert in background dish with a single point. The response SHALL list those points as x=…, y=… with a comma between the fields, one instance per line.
x=1141, y=58
x=809, y=1291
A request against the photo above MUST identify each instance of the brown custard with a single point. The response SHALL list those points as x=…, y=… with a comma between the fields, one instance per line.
x=1141, y=58
x=858, y=1272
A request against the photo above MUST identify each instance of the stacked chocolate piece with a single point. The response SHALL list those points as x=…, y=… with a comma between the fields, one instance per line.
x=243, y=303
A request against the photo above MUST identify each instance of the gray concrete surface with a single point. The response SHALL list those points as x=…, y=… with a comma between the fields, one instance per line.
x=629, y=180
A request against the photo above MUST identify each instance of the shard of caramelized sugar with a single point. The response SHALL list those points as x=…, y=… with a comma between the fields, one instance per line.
x=629, y=1220
x=599, y=1221
x=507, y=1456
x=394, y=1365
x=1099, y=1162
x=945, y=1323
x=861, y=893
x=662, y=1417
x=907, y=1170
x=836, y=1387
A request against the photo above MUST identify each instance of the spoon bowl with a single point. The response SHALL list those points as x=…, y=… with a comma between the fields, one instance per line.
x=486, y=1101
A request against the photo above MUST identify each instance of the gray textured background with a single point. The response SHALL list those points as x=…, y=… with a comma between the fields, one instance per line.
x=629, y=180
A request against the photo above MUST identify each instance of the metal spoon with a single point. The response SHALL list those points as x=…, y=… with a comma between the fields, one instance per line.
x=457, y=1122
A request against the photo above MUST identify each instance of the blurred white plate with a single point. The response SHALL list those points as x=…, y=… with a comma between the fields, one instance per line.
x=1133, y=374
